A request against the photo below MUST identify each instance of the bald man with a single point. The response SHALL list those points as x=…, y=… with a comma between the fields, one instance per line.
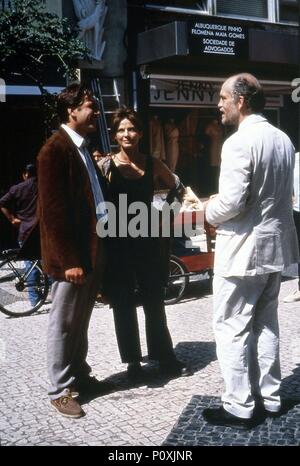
x=256, y=240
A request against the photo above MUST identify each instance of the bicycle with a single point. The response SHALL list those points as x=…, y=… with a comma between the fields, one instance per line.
x=16, y=284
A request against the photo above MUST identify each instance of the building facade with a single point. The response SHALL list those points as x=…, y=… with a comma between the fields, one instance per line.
x=167, y=59
x=181, y=52
x=101, y=25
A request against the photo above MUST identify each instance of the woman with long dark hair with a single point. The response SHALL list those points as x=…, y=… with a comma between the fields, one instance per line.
x=137, y=260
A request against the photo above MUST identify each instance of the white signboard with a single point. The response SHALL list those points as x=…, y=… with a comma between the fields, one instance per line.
x=187, y=93
x=213, y=38
x=169, y=92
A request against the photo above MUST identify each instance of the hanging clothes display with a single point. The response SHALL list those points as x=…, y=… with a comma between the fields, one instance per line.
x=172, y=144
x=188, y=141
x=189, y=149
x=214, y=132
x=156, y=136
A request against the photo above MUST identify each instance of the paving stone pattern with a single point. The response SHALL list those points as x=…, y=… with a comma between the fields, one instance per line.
x=157, y=411
x=190, y=430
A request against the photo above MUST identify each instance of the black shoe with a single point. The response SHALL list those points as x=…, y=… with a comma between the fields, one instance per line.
x=134, y=370
x=220, y=417
x=261, y=411
x=175, y=368
x=92, y=386
x=273, y=414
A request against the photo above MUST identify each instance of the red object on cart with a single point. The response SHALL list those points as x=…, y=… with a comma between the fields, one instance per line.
x=184, y=266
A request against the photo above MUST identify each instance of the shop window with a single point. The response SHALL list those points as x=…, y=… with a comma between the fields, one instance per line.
x=6, y=4
x=255, y=9
x=52, y=5
x=288, y=11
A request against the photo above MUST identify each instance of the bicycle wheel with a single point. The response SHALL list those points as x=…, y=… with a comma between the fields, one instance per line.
x=176, y=283
x=21, y=295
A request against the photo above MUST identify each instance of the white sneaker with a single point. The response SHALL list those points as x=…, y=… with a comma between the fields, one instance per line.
x=291, y=298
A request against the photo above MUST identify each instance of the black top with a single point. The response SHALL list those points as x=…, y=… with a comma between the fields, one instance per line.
x=21, y=201
x=137, y=190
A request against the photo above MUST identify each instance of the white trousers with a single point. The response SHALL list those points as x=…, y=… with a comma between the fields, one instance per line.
x=247, y=338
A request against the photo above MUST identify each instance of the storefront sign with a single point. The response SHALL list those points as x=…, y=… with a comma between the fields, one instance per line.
x=210, y=37
x=186, y=93
x=169, y=92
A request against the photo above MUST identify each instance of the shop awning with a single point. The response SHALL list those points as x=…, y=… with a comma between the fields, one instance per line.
x=195, y=91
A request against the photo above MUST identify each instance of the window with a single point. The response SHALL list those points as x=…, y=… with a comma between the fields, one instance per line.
x=9, y=4
x=255, y=9
x=284, y=11
x=6, y=4
x=288, y=11
x=200, y=6
x=190, y=4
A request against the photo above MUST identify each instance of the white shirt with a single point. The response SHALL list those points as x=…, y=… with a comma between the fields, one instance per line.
x=80, y=143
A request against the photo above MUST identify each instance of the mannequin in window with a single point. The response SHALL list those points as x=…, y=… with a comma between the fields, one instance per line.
x=156, y=136
x=189, y=148
x=215, y=133
x=188, y=133
x=91, y=15
x=172, y=147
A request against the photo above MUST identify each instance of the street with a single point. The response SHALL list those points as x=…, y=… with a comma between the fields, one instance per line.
x=157, y=411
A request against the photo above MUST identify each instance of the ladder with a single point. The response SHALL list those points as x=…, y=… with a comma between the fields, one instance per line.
x=109, y=98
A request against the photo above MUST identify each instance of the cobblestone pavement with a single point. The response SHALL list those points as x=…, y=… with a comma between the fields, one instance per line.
x=155, y=412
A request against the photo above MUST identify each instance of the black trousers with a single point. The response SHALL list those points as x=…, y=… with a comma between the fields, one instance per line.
x=138, y=263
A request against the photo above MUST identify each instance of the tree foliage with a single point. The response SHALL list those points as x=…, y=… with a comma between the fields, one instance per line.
x=34, y=42
x=30, y=38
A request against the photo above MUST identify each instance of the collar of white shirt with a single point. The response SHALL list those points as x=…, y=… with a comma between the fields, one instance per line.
x=253, y=118
x=78, y=140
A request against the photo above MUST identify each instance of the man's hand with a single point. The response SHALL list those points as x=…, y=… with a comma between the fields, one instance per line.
x=16, y=222
x=75, y=276
x=10, y=217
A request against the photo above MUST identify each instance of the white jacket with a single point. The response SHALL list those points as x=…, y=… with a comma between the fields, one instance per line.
x=253, y=210
x=296, y=205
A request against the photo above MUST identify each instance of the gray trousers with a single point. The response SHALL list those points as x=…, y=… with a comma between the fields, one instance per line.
x=68, y=323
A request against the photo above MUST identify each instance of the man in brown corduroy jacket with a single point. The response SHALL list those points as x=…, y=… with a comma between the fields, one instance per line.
x=69, y=192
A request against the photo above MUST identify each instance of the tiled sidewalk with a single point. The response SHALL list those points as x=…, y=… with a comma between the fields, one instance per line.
x=155, y=412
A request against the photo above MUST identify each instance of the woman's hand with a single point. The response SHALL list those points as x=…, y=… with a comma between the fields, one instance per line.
x=191, y=200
